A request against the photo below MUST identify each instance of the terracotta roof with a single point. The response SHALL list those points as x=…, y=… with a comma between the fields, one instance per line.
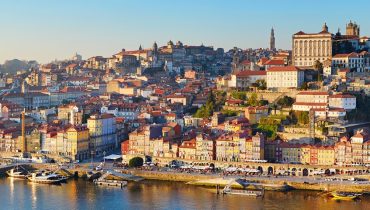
x=351, y=55
x=250, y=73
x=283, y=68
x=275, y=62
x=342, y=96
x=309, y=104
x=313, y=93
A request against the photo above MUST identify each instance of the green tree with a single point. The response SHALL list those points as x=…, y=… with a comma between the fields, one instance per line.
x=229, y=113
x=319, y=68
x=261, y=84
x=304, y=86
x=252, y=100
x=302, y=117
x=136, y=162
x=285, y=101
x=274, y=106
x=207, y=109
x=239, y=95
x=263, y=102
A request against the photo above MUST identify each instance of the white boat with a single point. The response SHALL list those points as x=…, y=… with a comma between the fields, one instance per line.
x=228, y=190
x=46, y=178
x=17, y=173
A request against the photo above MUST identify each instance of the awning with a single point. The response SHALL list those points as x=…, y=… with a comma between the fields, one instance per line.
x=113, y=157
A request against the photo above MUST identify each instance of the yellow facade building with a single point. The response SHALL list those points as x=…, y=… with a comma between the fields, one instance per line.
x=78, y=142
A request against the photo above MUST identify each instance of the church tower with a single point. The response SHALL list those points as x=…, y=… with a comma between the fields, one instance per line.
x=352, y=29
x=272, y=40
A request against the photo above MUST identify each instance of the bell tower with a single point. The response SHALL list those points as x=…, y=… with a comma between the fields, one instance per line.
x=272, y=40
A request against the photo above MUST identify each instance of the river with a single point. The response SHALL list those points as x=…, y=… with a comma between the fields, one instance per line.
x=79, y=194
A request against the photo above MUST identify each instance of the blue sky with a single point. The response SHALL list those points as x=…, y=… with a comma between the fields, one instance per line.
x=48, y=29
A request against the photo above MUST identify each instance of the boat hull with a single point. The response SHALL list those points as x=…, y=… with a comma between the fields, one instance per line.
x=348, y=197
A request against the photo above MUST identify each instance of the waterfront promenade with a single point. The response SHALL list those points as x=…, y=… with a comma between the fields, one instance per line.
x=340, y=182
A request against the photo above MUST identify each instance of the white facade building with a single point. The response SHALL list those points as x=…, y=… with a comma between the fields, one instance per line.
x=345, y=101
x=284, y=77
x=352, y=60
x=246, y=78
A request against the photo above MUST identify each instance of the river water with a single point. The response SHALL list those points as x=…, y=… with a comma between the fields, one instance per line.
x=79, y=194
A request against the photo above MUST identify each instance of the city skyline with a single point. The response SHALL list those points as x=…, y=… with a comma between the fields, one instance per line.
x=93, y=28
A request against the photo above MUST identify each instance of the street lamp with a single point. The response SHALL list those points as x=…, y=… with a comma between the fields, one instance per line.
x=92, y=157
x=104, y=156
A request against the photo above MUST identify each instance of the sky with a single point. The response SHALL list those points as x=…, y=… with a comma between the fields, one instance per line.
x=45, y=30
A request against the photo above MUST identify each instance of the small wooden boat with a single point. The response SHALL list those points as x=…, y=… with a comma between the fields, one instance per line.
x=254, y=192
x=347, y=196
x=111, y=183
x=17, y=173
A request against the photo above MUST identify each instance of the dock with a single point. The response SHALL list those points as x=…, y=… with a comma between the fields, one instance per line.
x=104, y=181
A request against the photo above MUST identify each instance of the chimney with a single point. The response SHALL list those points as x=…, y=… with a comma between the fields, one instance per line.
x=23, y=132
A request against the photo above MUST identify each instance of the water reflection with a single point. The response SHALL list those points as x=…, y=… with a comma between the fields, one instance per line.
x=78, y=194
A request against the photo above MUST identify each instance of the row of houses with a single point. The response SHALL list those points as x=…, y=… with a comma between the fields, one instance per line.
x=241, y=147
x=74, y=141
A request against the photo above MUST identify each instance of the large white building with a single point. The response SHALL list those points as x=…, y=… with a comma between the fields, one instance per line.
x=311, y=47
x=334, y=104
x=284, y=77
x=311, y=100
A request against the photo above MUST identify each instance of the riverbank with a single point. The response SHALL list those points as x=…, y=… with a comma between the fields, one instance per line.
x=280, y=183
x=270, y=183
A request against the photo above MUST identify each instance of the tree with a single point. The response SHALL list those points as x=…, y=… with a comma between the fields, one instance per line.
x=285, y=101
x=136, y=162
x=274, y=106
x=263, y=102
x=261, y=84
x=302, y=117
x=304, y=86
x=207, y=109
x=269, y=126
x=319, y=68
x=229, y=113
x=252, y=100
x=239, y=95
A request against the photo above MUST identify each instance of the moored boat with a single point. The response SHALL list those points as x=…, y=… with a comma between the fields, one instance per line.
x=345, y=195
x=17, y=173
x=255, y=193
x=111, y=183
x=46, y=178
x=248, y=192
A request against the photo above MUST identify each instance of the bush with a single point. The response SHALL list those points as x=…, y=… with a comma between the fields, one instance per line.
x=136, y=162
x=285, y=101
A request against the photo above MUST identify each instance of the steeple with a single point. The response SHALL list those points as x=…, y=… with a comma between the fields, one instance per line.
x=325, y=28
x=155, y=47
x=272, y=39
x=140, y=48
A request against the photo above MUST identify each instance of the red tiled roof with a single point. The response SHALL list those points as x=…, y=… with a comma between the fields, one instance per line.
x=283, y=68
x=275, y=62
x=351, y=55
x=313, y=93
x=309, y=104
x=250, y=73
x=342, y=96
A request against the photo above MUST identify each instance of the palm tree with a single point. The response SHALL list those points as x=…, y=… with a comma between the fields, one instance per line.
x=274, y=106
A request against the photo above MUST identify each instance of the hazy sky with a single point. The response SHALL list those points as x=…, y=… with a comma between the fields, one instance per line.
x=49, y=29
